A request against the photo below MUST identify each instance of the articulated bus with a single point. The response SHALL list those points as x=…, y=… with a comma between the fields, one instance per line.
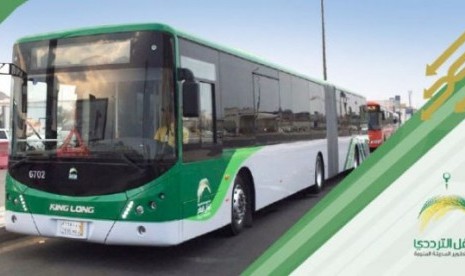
x=382, y=123
x=145, y=135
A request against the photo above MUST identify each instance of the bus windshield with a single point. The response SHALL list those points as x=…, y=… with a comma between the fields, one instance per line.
x=374, y=120
x=97, y=97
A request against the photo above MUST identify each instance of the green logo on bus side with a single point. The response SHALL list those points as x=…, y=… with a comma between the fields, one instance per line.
x=203, y=198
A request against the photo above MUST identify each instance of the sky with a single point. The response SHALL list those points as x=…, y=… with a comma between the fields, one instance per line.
x=375, y=48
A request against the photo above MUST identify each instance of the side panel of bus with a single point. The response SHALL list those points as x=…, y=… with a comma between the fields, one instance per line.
x=276, y=123
x=259, y=106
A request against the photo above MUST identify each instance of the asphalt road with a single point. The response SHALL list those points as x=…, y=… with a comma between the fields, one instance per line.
x=212, y=254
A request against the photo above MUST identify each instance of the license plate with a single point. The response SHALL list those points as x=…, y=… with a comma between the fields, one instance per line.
x=72, y=229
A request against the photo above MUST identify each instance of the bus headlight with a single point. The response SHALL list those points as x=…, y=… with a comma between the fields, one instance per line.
x=23, y=202
x=127, y=209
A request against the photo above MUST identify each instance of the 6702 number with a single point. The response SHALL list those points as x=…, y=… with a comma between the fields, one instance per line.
x=37, y=174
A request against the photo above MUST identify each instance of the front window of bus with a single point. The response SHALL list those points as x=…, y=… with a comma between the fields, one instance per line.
x=374, y=120
x=97, y=98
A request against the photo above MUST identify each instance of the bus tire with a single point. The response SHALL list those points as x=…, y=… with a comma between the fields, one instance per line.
x=241, y=207
x=356, y=158
x=317, y=187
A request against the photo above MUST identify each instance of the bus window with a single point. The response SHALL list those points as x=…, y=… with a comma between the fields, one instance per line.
x=199, y=133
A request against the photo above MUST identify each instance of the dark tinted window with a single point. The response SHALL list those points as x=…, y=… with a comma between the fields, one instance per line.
x=301, y=107
x=266, y=91
x=302, y=113
x=238, y=101
x=286, y=122
x=199, y=133
x=349, y=107
x=200, y=130
x=317, y=111
x=256, y=104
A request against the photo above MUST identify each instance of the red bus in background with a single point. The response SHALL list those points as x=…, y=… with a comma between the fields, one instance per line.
x=382, y=123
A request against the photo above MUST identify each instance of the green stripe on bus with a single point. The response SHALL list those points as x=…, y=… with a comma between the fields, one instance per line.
x=8, y=6
x=353, y=194
x=350, y=155
x=230, y=172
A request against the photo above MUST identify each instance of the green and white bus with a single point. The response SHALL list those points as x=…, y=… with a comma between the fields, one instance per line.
x=145, y=135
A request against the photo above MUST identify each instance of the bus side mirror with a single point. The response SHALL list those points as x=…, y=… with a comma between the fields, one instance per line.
x=13, y=70
x=24, y=98
x=190, y=99
x=190, y=93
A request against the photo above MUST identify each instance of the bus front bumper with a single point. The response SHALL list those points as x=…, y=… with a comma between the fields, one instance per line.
x=98, y=231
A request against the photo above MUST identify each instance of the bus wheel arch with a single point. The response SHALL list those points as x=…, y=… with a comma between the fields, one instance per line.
x=356, y=157
x=319, y=174
x=242, y=202
x=247, y=175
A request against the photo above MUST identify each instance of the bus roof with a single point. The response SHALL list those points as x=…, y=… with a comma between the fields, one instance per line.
x=168, y=29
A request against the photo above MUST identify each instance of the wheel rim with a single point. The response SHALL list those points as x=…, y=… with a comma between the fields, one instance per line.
x=239, y=204
x=318, y=173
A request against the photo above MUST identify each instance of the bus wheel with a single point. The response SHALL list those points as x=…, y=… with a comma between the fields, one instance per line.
x=241, y=215
x=356, y=158
x=319, y=175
